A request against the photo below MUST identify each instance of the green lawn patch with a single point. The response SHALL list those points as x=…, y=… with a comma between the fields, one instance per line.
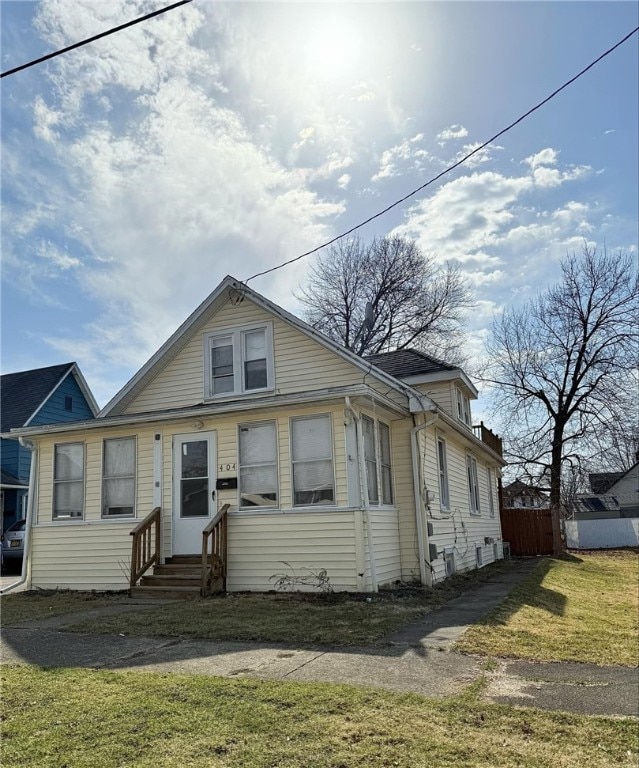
x=97, y=719
x=293, y=617
x=583, y=607
x=40, y=604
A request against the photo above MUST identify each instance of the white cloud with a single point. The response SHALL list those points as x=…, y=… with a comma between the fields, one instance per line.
x=547, y=156
x=344, y=180
x=452, y=132
x=401, y=157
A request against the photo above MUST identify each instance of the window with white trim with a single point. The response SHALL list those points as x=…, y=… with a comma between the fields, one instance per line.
x=479, y=555
x=491, y=498
x=258, y=465
x=473, y=485
x=239, y=361
x=377, y=458
x=68, y=481
x=370, y=459
x=118, y=477
x=386, y=472
x=442, y=466
x=463, y=407
x=312, y=461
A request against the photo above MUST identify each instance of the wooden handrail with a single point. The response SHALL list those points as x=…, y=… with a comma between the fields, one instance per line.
x=146, y=544
x=215, y=561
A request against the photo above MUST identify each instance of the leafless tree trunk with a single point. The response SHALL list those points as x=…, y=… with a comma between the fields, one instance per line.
x=415, y=302
x=559, y=366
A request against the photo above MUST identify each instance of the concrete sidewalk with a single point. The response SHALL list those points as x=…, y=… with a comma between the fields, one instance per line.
x=415, y=659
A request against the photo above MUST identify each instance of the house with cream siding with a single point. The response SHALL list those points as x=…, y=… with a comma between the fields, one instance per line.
x=252, y=445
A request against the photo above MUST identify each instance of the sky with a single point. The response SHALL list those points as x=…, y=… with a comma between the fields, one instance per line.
x=225, y=138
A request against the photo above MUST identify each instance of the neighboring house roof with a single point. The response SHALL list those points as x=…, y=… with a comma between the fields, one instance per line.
x=517, y=487
x=8, y=479
x=586, y=503
x=602, y=482
x=22, y=394
x=407, y=362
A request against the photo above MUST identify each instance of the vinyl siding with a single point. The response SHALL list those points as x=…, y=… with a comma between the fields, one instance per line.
x=81, y=556
x=261, y=546
x=405, y=498
x=15, y=458
x=385, y=526
x=442, y=393
x=460, y=529
x=325, y=535
x=301, y=364
x=54, y=411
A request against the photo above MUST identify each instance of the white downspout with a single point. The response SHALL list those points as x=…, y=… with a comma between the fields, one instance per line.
x=425, y=576
x=27, y=525
x=359, y=440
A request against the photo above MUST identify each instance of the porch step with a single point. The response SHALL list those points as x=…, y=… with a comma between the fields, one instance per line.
x=184, y=560
x=179, y=593
x=171, y=580
x=179, y=569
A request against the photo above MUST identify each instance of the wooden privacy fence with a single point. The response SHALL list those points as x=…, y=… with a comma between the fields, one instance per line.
x=529, y=531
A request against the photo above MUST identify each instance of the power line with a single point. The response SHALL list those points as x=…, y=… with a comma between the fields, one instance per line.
x=450, y=168
x=93, y=39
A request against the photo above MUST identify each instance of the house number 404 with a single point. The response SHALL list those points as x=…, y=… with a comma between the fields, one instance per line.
x=227, y=467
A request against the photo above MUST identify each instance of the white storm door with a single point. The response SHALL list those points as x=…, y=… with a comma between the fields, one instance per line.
x=194, y=457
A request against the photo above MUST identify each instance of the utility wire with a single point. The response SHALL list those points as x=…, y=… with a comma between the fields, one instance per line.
x=93, y=39
x=450, y=168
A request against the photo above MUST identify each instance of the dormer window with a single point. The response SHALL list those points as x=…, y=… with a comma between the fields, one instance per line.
x=238, y=361
x=463, y=408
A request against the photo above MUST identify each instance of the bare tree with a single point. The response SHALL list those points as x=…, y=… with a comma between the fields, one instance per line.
x=559, y=365
x=415, y=302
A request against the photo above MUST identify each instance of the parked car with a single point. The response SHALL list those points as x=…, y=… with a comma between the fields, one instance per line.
x=13, y=544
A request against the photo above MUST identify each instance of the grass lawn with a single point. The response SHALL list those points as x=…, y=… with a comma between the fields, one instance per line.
x=337, y=619
x=40, y=604
x=96, y=719
x=584, y=607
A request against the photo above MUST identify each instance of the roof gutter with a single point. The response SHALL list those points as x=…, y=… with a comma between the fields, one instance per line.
x=28, y=522
x=358, y=390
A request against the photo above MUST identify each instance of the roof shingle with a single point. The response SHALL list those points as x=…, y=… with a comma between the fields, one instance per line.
x=21, y=393
x=408, y=362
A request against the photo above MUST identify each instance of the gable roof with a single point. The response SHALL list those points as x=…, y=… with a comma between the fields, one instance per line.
x=518, y=486
x=602, y=482
x=23, y=393
x=408, y=362
x=230, y=286
x=9, y=479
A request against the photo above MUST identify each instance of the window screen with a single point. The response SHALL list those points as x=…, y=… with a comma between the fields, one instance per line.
x=368, y=430
x=222, y=378
x=312, y=456
x=254, y=355
x=258, y=465
x=68, y=481
x=118, y=477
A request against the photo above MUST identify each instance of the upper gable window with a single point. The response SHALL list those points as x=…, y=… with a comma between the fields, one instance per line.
x=239, y=361
x=463, y=408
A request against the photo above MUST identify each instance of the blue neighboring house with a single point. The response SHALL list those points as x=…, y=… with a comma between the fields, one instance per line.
x=30, y=398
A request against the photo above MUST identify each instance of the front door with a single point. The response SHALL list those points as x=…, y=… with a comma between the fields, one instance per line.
x=193, y=489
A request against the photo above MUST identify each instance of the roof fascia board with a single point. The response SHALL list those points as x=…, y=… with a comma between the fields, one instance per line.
x=13, y=487
x=275, y=401
x=47, y=397
x=427, y=378
x=86, y=391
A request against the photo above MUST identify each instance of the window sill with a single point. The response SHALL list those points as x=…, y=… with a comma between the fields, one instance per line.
x=228, y=397
x=78, y=522
x=290, y=511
